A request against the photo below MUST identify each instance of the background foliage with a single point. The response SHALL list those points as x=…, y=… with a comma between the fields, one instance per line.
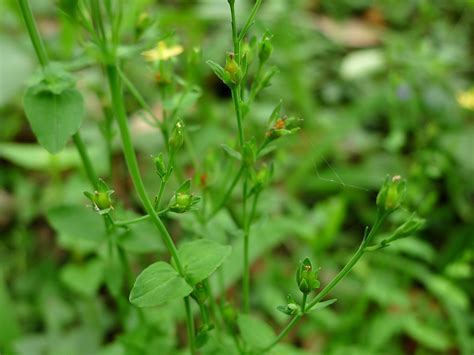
x=382, y=87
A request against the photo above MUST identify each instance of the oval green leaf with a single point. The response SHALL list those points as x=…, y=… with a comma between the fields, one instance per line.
x=157, y=284
x=201, y=258
x=53, y=117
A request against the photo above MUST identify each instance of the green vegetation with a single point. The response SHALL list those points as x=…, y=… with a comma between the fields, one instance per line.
x=236, y=177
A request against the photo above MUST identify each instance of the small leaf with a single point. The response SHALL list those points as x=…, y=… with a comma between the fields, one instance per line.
x=217, y=69
x=201, y=258
x=231, y=152
x=53, y=117
x=185, y=186
x=157, y=284
x=321, y=305
x=255, y=332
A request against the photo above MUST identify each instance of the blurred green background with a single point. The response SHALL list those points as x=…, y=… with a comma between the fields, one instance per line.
x=383, y=87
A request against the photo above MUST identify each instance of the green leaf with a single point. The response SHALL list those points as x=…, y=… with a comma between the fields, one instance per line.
x=78, y=222
x=201, y=258
x=321, y=305
x=255, y=332
x=84, y=279
x=217, y=69
x=157, y=284
x=53, y=117
x=231, y=152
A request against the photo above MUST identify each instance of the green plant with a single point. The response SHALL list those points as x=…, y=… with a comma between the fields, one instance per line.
x=192, y=263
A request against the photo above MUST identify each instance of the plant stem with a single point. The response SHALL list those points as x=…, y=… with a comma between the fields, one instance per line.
x=249, y=22
x=86, y=162
x=235, y=39
x=34, y=34
x=43, y=59
x=190, y=325
x=238, y=112
x=131, y=159
x=246, y=274
x=345, y=270
x=303, y=302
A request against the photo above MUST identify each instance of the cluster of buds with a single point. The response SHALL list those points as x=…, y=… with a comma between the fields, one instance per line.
x=306, y=278
x=101, y=198
x=391, y=194
x=182, y=200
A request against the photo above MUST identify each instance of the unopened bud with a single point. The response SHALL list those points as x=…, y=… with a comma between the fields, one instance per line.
x=176, y=139
x=232, y=69
x=391, y=193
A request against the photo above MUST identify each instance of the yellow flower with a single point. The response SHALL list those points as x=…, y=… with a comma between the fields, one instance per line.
x=466, y=99
x=162, y=52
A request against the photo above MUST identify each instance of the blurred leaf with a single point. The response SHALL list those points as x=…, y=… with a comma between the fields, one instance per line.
x=141, y=238
x=426, y=334
x=78, y=222
x=255, y=332
x=85, y=278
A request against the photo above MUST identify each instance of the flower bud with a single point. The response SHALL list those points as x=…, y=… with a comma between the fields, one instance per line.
x=265, y=48
x=160, y=166
x=181, y=202
x=101, y=199
x=176, y=139
x=232, y=69
x=249, y=154
x=411, y=225
x=391, y=194
x=306, y=278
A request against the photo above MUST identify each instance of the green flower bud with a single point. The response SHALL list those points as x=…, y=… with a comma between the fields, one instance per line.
x=160, y=166
x=411, y=225
x=101, y=199
x=200, y=293
x=176, y=139
x=249, y=153
x=265, y=48
x=306, y=278
x=391, y=194
x=232, y=69
x=181, y=202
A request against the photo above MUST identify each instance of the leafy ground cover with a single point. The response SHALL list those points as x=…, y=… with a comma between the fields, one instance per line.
x=228, y=156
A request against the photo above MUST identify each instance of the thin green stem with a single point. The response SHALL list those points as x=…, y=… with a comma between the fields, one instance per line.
x=238, y=112
x=345, y=270
x=250, y=20
x=303, y=302
x=284, y=332
x=235, y=39
x=86, y=162
x=34, y=33
x=190, y=325
x=131, y=159
x=246, y=274
x=228, y=192
x=136, y=94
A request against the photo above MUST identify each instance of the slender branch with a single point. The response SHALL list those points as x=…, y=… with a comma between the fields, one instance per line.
x=246, y=274
x=345, y=270
x=132, y=163
x=190, y=325
x=250, y=20
x=86, y=162
x=34, y=33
